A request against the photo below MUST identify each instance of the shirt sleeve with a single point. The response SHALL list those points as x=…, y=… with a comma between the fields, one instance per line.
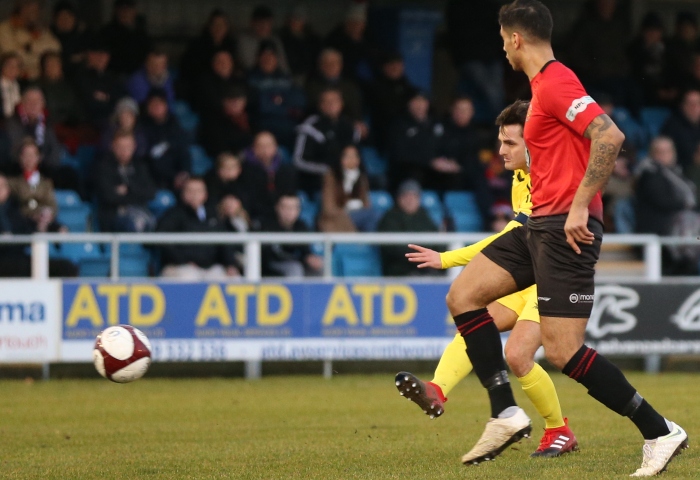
x=462, y=256
x=568, y=102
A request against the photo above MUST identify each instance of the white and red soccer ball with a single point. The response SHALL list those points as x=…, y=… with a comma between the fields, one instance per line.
x=122, y=354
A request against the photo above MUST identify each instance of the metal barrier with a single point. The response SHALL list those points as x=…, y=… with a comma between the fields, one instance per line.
x=651, y=245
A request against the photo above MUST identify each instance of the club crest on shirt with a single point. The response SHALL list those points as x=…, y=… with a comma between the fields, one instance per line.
x=578, y=106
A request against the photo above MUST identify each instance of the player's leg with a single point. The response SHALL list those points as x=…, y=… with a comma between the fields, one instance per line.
x=566, y=280
x=453, y=367
x=520, y=350
x=502, y=268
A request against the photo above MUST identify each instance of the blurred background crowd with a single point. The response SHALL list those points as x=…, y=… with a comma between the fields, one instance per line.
x=262, y=123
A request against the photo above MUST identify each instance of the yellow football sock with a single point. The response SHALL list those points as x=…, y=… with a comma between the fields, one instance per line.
x=539, y=388
x=454, y=365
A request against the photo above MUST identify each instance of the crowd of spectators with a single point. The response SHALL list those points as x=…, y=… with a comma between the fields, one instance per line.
x=284, y=111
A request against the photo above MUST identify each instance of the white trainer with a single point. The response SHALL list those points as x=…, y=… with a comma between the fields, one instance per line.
x=658, y=453
x=498, y=435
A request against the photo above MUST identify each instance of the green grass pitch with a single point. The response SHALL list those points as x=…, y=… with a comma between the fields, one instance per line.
x=302, y=427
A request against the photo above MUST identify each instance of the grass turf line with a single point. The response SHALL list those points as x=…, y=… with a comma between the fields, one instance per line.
x=351, y=427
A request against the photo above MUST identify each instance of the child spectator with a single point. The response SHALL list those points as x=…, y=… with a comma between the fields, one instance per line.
x=288, y=260
x=201, y=261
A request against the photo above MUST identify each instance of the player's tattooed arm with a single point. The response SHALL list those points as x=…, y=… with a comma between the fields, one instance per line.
x=606, y=140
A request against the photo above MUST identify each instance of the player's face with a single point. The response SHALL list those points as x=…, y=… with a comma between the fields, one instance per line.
x=510, y=48
x=512, y=148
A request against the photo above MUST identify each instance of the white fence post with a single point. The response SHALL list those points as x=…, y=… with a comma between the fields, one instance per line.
x=114, y=260
x=652, y=260
x=452, y=273
x=252, y=260
x=40, y=259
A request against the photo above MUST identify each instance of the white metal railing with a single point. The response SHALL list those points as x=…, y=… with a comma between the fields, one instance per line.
x=252, y=242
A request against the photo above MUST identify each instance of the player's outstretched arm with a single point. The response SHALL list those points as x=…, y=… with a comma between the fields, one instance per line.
x=424, y=257
x=606, y=141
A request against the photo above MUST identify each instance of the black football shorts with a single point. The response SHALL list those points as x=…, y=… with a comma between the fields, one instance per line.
x=538, y=253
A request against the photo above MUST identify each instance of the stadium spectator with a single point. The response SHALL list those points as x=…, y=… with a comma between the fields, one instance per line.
x=618, y=196
x=33, y=191
x=330, y=66
x=301, y=44
x=14, y=260
x=234, y=217
x=350, y=40
x=414, y=143
x=277, y=104
x=245, y=181
x=196, y=262
x=215, y=37
x=265, y=153
x=345, y=205
x=9, y=86
x=321, y=138
x=647, y=55
x=126, y=38
x=476, y=51
x=154, y=74
x=388, y=96
x=692, y=79
x=596, y=47
x=288, y=260
x=258, y=33
x=665, y=203
x=683, y=127
x=219, y=77
x=168, y=151
x=229, y=129
x=458, y=166
x=62, y=102
x=30, y=120
x=97, y=87
x=681, y=47
x=70, y=32
x=406, y=216
x=125, y=119
x=24, y=35
x=124, y=188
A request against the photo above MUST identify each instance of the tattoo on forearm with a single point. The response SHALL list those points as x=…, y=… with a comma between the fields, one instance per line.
x=603, y=152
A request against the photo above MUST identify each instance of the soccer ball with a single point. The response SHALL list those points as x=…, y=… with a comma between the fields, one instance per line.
x=122, y=354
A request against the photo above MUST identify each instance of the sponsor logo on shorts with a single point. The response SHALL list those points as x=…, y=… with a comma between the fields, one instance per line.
x=544, y=299
x=578, y=106
x=581, y=298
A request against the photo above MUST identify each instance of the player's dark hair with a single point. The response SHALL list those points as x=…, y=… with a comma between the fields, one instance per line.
x=513, y=114
x=531, y=17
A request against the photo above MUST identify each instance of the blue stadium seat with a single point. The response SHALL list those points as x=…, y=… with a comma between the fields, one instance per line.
x=67, y=199
x=133, y=267
x=380, y=200
x=201, y=163
x=355, y=260
x=375, y=164
x=463, y=209
x=86, y=156
x=163, y=200
x=187, y=118
x=653, y=118
x=635, y=133
x=285, y=154
x=309, y=212
x=94, y=267
x=430, y=200
x=76, y=252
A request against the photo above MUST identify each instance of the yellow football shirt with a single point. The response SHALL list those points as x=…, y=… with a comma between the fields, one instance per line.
x=522, y=207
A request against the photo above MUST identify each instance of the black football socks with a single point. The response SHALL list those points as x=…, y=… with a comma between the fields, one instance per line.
x=485, y=351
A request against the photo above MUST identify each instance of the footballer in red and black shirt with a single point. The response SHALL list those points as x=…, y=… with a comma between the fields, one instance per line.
x=573, y=146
